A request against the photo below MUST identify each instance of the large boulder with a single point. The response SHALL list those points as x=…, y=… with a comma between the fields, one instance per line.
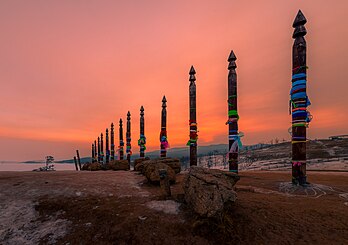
x=174, y=163
x=95, y=166
x=209, y=191
x=151, y=172
x=117, y=165
x=140, y=160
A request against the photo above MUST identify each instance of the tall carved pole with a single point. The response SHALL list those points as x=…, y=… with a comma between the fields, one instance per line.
x=142, y=139
x=112, y=142
x=95, y=151
x=233, y=135
x=101, y=148
x=163, y=134
x=299, y=101
x=120, y=147
x=92, y=159
x=107, y=149
x=128, y=138
x=193, y=123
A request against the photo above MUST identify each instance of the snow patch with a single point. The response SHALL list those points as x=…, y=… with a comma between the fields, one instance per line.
x=168, y=206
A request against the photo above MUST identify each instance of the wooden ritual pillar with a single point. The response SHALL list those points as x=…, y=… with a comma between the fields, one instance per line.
x=120, y=147
x=92, y=159
x=95, y=151
x=101, y=148
x=107, y=149
x=142, y=139
x=128, y=138
x=112, y=142
x=299, y=101
x=233, y=117
x=193, y=123
x=163, y=133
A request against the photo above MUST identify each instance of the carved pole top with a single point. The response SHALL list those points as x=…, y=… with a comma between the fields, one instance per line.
x=112, y=125
x=120, y=121
x=299, y=20
x=298, y=24
x=141, y=111
x=98, y=138
x=101, y=135
x=232, y=58
x=128, y=116
x=192, y=75
x=107, y=130
x=164, y=102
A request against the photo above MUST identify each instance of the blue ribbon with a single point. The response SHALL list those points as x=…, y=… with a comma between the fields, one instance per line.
x=297, y=88
x=299, y=75
x=236, y=138
x=299, y=114
x=299, y=82
x=300, y=95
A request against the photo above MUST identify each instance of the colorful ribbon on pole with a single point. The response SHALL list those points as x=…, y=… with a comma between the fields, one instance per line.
x=237, y=144
x=142, y=142
x=298, y=104
x=164, y=140
x=193, y=134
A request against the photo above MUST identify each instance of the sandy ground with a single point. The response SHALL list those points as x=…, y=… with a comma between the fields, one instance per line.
x=68, y=207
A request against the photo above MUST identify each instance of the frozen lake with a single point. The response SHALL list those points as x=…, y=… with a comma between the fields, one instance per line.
x=14, y=166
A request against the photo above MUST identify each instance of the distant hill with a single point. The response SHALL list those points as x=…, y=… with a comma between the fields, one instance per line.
x=180, y=152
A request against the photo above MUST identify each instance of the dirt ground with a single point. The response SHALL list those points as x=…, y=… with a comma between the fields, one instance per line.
x=67, y=207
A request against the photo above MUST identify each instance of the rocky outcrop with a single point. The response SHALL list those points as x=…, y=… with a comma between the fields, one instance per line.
x=209, y=191
x=174, y=163
x=140, y=160
x=151, y=172
x=92, y=166
x=113, y=165
x=117, y=165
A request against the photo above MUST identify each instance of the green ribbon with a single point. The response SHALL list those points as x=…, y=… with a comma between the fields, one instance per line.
x=233, y=113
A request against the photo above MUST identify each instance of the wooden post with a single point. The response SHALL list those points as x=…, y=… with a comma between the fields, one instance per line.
x=193, y=123
x=128, y=138
x=120, y=148
x=101, y=148
x=92, y=159
x=107, y=150
x=299, y=101
x=78, y=158
x=95, y=151
x=142, y=139
x=163, y=133
x=233, y=136
x=76, y=167
x=112, y=143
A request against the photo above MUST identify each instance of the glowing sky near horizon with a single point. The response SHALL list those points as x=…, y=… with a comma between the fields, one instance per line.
x=70, y=68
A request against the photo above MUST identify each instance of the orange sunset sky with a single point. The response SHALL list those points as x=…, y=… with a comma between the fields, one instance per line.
x=70, y=68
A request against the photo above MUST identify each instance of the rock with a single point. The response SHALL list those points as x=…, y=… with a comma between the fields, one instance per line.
x=151, y=172
x=117, y=165
x=174, y=163
x=92, y=166
x=140, y=160
x=209, y=191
